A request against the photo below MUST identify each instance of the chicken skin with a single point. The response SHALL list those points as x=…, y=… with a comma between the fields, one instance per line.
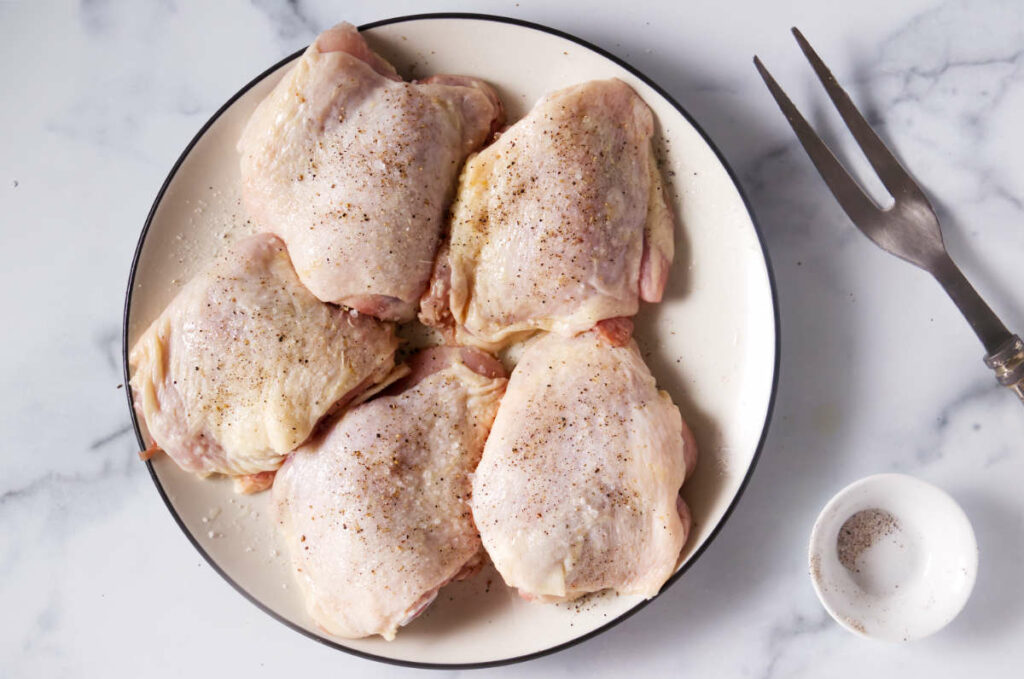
x=239, y=368
x=559, y=225
x=375, y=511
x=354, y=169
x=578, y=487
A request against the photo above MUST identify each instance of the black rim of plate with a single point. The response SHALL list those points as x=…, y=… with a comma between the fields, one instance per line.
x=693, y=558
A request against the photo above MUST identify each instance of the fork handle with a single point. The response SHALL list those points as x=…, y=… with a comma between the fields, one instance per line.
x=986, y=325
x=1005, y=350
x=1008, y=363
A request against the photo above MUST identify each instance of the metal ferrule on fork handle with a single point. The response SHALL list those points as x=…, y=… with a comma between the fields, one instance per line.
x=1008, y=363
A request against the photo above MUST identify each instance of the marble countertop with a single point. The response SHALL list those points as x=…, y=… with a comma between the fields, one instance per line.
x=879, y=372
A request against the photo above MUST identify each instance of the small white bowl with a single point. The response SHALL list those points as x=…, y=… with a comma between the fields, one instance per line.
x=903, y=568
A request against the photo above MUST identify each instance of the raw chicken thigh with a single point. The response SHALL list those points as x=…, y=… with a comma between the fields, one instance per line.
x=238, y=369
x=578, y=487
x=354, y=169
x=559, y=225
x=375, y=511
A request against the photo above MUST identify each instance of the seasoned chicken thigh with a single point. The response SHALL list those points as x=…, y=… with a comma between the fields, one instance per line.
x=238, y=369
x=354, y=169
x=375, y=512
x=578, y=487
x=559, y=225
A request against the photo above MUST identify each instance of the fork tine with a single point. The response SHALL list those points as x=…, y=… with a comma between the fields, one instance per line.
x=849, y=194
x=893, y=176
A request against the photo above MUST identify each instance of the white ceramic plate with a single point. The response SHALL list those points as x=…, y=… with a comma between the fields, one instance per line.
x=712, y=343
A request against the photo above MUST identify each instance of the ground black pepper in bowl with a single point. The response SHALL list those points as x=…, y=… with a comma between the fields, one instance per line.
x=860, y=532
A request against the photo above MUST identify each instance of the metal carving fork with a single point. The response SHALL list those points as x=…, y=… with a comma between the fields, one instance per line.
x=908, y=229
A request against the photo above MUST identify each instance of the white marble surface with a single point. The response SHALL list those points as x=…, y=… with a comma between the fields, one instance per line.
x=879, y=373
